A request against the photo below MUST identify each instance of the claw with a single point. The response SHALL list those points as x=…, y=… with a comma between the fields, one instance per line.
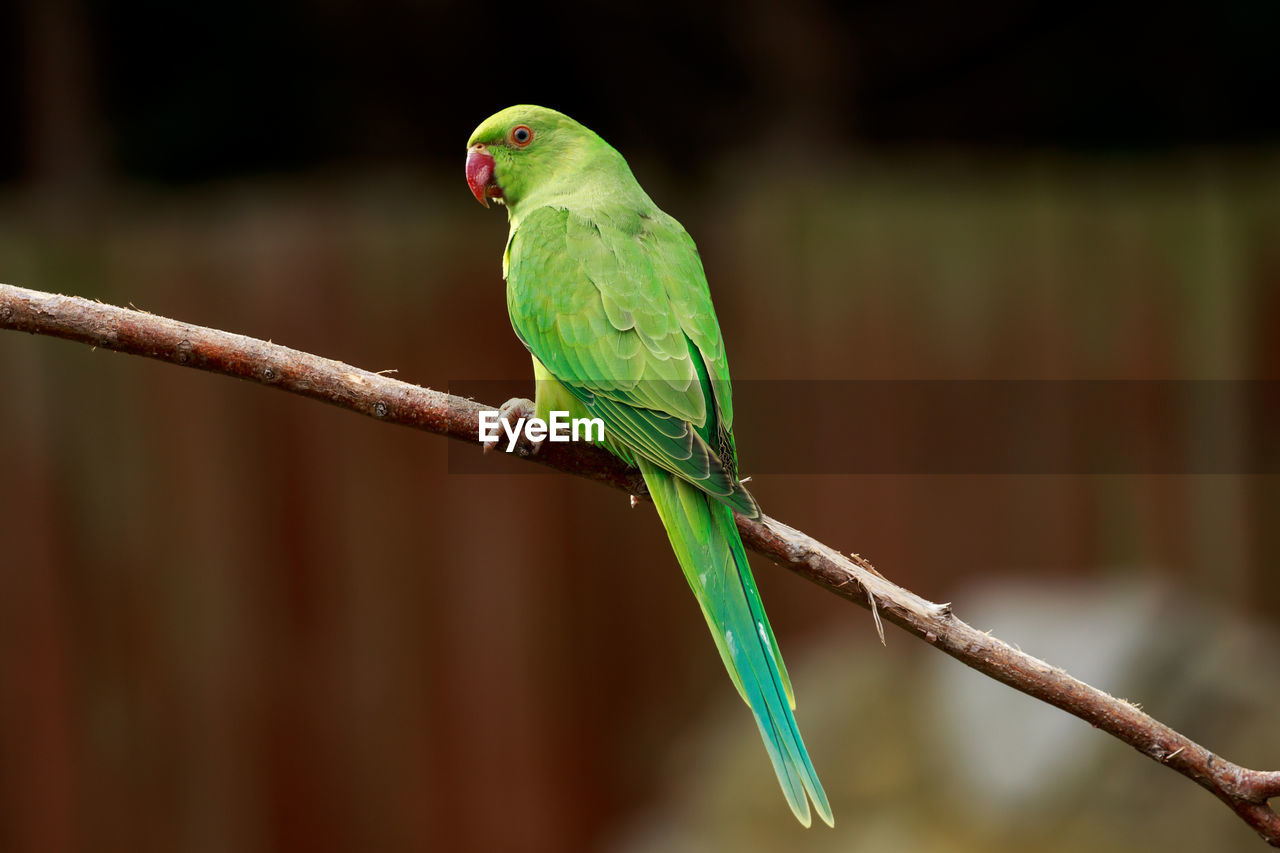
x=517, y=406
x=511, y=412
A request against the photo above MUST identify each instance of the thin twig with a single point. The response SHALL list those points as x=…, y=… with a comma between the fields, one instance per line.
x=1245, y=791
x=875, y=616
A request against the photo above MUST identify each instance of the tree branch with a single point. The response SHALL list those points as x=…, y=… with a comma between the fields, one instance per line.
x=1245, y=791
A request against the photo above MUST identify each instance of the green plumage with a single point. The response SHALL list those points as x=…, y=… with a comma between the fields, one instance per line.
x=608, y=294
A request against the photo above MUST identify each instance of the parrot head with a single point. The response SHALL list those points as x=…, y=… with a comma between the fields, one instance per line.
x=515, y=150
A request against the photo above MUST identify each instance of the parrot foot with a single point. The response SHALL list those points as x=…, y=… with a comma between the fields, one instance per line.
x=515, y=414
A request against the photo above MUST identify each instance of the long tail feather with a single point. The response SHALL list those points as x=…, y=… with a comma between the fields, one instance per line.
x=706, y=542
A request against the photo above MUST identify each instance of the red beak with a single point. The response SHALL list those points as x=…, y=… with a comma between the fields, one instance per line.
x=480, y=175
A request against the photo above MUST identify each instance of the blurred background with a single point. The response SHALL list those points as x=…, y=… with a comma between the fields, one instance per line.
x=235, y=620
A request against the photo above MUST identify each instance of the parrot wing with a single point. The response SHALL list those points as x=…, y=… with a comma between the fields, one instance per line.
x=629, y=330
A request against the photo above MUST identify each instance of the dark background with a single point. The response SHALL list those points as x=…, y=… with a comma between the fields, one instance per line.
x=234, y=620
x=176, y=95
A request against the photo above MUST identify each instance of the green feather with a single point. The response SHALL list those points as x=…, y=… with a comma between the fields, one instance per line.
x=608, y=294
x=706, y=542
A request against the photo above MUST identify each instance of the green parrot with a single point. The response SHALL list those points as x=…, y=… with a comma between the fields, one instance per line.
x=608, y=294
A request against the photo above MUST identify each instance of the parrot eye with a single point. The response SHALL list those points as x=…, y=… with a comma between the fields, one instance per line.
x=522, y=135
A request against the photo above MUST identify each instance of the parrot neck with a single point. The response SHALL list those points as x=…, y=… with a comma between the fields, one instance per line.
x=585, y=191
x=587, y=176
